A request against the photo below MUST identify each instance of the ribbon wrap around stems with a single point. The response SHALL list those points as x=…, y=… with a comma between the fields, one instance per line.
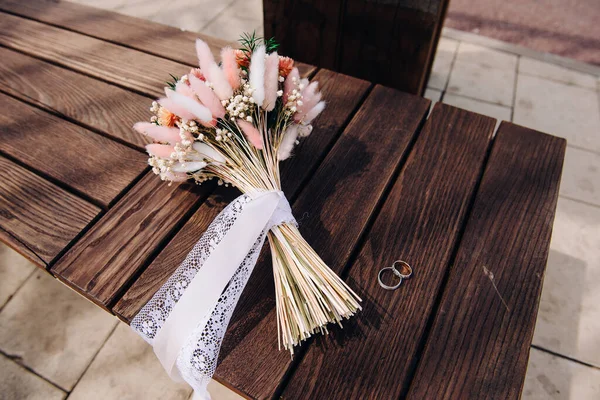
x=185, y=321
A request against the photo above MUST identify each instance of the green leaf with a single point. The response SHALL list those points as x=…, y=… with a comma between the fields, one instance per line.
x=249, y=41
x=172, y=84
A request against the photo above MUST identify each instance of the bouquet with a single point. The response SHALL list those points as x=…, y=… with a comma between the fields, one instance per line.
x=234, y=122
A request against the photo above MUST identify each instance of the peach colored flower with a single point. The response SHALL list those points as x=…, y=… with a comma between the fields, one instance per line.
x=166, y=117
x=285, y=66
x=242, y=58
x=198, y=74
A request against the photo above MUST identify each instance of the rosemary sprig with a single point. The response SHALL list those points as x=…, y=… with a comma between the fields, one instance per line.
x=250, y=41
x=172, y=84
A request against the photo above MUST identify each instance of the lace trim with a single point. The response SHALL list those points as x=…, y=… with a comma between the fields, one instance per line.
x=197, y=359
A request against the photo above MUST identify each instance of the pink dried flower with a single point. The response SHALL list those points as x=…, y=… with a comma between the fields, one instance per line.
x=271, y=82
x=158, y=133
x=197, y=72
x=252, y=134
x=230, y=67
x=160, y=150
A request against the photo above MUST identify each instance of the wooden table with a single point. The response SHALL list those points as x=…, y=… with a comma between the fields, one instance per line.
x=378, y=180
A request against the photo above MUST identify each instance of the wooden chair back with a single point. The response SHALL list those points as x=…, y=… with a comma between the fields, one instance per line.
x=391, y=42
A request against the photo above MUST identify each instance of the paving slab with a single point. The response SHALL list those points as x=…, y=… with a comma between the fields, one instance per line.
x=16, y=383
x=530, y=66
x=127, y=369
x=581, y=176
x=242, y=16
x=14, y=270
x=481, y=82
x=569, y=316
x=553, y=378
x=560, y=109
x=53, y=330
x=442, y=64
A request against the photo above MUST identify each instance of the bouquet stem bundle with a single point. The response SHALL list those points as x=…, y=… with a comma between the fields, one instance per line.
x=309, y=295
x=235, y=122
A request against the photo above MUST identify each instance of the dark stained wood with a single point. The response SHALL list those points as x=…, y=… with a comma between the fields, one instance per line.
x=92, y=103
x=419, y=223
x=343, y=95
x=163, y=266
x=41, y=217
x=334, y=209
x=367, y=187
x=128, y=68
x=150, y=37
x=388, y=42
x=307, y=30
x=112, y=252
x=479, y=343
x=13, y=242
x=87, y=162
x=391, y=42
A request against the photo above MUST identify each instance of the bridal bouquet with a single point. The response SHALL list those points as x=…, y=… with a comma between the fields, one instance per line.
x=234, y=122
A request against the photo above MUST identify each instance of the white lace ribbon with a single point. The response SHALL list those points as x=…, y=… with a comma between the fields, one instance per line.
x=185, y=321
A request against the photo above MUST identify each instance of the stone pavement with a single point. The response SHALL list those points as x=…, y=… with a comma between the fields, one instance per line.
x=73, y=349
x=568, y=28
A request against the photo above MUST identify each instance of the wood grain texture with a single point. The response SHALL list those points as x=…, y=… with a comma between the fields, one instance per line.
x=114, y=250
x=87, y=162
x=140, y=34
x=316, y=21
x=150, y=37
x=38, y=218
x=334, y=209
x=401, y=33
x=125, y=67
x=479, y=343
x=343, y=95
x=90, y=102
x=21, y=248
x=419, y=223
x=388, y=42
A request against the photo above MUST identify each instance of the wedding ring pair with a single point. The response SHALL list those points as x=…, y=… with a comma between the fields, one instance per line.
x=404, y=273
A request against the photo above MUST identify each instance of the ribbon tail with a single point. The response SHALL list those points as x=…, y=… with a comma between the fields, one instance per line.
x=186, y=319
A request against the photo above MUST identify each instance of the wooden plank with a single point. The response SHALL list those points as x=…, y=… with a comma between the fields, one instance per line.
x=37, y=217
x=402, y=33
x=118, y=246
x=125, y=67
x=21, y=248
x=253, y=327
x=150, y=37
x=335, y=208
x=87, y=101
x=479, y=344
x=318, y=22
x=343, y=95
x=89, y=163
x=140, y=34
x=420, y=223
x=389, y=42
